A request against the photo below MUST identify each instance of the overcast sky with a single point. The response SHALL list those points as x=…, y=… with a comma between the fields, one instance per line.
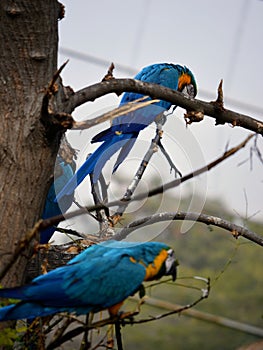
x=215, y=39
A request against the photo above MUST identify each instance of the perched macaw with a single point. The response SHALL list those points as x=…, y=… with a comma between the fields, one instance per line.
x=99, y=278
x=63, y=173
x=125, y=129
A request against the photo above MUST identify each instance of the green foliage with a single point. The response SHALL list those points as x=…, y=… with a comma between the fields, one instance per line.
x=7, y=337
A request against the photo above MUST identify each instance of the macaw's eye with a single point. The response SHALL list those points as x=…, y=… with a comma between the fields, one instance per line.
x=189, y=90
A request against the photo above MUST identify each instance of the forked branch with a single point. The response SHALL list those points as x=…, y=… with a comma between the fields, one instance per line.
x=118, y=86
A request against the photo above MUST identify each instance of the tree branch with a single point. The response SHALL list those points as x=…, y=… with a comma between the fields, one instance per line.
x=116, y=112
x=197, y=172
x=234, y=229
x=115, y=218
x=204, y=316
x=172, y=311
x=118, y=86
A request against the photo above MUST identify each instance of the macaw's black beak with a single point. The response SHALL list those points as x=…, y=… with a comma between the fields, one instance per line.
x=173, y=270
x=189, y=91
x=171, y=265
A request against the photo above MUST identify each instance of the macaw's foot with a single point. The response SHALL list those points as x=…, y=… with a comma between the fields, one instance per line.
x=193, y=117
x=169, y=160
x=128, y=314
x=127, y=317
x=114, y=310
x=120, y=316
x=115, y=219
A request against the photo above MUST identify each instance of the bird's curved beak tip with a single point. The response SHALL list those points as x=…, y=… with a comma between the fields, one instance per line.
x=174, y=270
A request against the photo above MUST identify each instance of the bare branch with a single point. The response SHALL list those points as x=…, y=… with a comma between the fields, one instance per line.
x=179, y=310
x=61, y=329
x=204, y=316
x=200, y=171
x=234, y=229
x=116, y=112
x=115, y=218
x=118, y=86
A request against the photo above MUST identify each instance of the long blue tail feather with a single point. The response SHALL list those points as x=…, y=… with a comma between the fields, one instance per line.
x=94, y=163
x=24, y=310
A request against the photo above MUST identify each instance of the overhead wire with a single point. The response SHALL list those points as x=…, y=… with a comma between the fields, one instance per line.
x=95, y=60
x=237, y=41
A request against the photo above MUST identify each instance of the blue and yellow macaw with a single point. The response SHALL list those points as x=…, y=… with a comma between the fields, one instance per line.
x=63, y=173
x=125, y=129
x=99, y=278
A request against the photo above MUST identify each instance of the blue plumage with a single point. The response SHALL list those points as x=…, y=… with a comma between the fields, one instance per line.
x=63, y=173
x=99, y=278
x=125, y=129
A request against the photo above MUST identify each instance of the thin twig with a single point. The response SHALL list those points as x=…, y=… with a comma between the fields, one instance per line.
x=61, y=329
x=204, y=295
x=169, y=160
x=156, y=141
x=66, y=337
x=101, y=216
x=116, y=112
x=55, y=322
x=137, y=177
x=68, y=231
x=200, y=171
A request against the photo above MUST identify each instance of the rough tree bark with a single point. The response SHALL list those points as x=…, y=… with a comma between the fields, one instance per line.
x=28, y=60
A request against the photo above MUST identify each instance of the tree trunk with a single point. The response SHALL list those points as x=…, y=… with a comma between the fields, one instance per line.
x=28, y=61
